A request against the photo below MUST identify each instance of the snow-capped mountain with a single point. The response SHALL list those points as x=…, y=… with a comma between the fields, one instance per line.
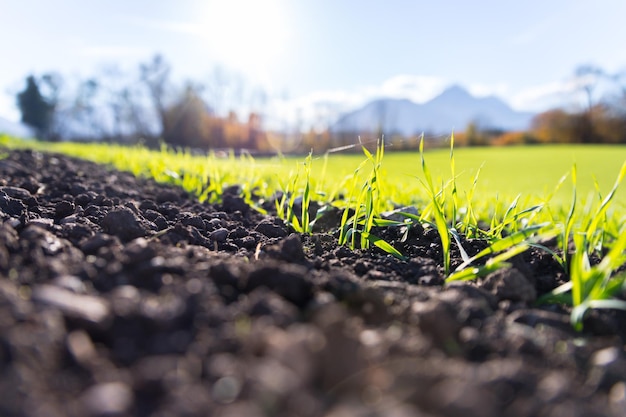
x=452, y=110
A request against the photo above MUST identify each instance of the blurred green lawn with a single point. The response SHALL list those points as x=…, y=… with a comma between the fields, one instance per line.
x=506, y=171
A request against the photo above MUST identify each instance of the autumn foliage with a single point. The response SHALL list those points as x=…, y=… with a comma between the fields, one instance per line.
x=602, y=124
x=190, y=123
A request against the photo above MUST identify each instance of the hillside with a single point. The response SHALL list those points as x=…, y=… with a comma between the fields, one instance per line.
x=453, y=109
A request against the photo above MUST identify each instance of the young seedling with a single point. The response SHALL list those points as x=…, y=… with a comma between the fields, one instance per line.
x=306, y=195
x=505, y=248
x=591, y=224
x=436, y=202
x=358, y=219
x=492, y=265
x=591, y=286
x=470, y=223
x=345, y=232
x=286, y=205
x=569, y=224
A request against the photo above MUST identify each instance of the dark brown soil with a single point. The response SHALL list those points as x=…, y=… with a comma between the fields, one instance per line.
x=122, y=297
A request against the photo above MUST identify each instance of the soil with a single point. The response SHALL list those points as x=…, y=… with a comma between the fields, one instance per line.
x=123, y=297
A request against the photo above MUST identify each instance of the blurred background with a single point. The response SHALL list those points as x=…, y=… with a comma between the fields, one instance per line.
x=279, y=75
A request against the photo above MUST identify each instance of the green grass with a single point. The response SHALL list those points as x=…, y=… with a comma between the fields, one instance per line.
x=532, y=172
x=513, y=198
x=508, y=171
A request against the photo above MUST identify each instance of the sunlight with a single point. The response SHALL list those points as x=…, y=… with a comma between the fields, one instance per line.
x=246, y=34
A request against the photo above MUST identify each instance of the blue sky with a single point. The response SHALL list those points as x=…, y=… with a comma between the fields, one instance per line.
x=307, y=52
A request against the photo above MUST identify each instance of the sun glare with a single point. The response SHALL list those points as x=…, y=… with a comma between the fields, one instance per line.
x=245, y=34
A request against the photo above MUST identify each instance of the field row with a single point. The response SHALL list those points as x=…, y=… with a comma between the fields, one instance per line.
x=550, y=198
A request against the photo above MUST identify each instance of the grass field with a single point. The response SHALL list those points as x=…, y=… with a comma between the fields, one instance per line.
x=508, y=171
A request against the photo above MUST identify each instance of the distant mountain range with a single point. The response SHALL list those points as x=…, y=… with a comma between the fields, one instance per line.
x=452, y=110
x=15, y=129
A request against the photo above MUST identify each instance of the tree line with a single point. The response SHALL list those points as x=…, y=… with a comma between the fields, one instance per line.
x=146, y=107
x=595, y=120
x=226, y=113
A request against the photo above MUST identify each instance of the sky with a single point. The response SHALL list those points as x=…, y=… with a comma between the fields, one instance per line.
x=324, y=54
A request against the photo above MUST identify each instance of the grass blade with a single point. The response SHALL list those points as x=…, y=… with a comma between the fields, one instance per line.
x=382, y=244
x=492, y=265
x=457, y=239
x=507, y=242
x=440, y=220
x=601, y=212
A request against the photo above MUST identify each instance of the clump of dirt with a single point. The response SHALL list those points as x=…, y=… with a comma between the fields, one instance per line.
x=123, y=297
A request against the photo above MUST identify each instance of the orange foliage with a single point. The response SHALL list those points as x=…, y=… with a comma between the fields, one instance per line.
x=597, y=125
x=191, y=124
x=514, y=138
x=555, y=126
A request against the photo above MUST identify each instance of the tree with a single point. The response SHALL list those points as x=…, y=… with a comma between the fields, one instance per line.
x=555, y=126
x=127, y=112
x=474, y=135
x=617, y=100
x=609, y=124
x=84, y=110
x=155, y=76
x=588, y=77
x=187, y=120
x=36, y=111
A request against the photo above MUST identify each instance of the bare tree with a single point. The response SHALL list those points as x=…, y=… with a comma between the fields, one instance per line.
x=619, y=99
x=588, y=78
x=187, y=119
x=155, y=76
x=84, y=109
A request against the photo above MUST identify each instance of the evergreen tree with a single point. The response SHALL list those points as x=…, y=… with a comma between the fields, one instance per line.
x=36, y=111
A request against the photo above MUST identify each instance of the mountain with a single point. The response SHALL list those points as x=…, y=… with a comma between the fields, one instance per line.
x=452, y=110
x=15, y=129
